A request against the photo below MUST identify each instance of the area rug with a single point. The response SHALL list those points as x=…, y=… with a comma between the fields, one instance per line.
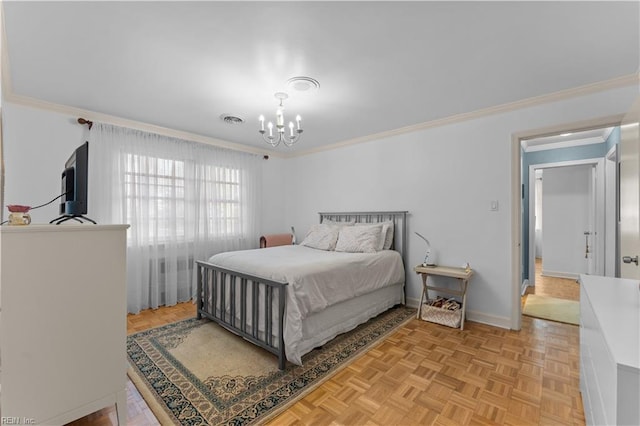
x=194, y=372
x=551, y=308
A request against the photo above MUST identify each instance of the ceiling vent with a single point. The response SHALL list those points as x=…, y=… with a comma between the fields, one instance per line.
x=231, y=119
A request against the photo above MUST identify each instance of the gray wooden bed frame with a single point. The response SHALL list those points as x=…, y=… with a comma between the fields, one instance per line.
x=244, y=315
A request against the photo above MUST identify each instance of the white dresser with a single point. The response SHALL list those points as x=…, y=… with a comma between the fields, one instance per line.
x=610, y=350
x=62, y=322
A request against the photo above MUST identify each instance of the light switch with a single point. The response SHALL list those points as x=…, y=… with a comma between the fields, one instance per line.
x=494, y=205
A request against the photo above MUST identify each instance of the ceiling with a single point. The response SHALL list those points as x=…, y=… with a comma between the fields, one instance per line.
x=381, y=66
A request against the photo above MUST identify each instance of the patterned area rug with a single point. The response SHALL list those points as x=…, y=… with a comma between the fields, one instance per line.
x=551, y=308
x=194, y=372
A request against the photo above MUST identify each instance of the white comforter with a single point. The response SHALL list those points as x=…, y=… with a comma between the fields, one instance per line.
x=317, y=279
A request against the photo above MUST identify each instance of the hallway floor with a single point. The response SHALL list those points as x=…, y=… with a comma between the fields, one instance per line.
x=562, y=288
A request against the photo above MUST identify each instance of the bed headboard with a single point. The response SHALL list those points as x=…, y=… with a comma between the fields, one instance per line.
x=398, y=218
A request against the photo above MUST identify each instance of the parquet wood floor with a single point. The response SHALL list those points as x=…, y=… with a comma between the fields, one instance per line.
x=561, y=288
x=427, y=374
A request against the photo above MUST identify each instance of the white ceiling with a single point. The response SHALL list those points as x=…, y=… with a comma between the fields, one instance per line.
x=381, y=65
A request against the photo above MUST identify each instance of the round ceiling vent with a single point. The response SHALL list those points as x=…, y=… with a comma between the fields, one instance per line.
x=231, y=119
x=303, y=84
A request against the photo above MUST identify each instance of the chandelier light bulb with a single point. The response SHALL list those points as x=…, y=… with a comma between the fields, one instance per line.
x=280, y=117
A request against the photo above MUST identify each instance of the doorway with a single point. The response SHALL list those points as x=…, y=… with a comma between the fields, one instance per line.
x=566, y=219
x=563, y=236
x=558, y=151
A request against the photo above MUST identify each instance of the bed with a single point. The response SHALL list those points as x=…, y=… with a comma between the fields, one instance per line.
x=292, y=299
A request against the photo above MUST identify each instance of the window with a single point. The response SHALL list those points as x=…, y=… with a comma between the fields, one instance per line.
x=184, y=201
x=163, y=191
x=226, y=207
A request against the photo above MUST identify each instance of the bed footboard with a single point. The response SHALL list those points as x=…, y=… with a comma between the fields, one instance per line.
x=248, y=306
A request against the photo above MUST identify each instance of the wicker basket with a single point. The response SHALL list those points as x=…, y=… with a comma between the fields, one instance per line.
x=441, y=316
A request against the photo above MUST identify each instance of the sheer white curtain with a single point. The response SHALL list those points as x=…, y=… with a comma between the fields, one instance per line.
x=184, y=201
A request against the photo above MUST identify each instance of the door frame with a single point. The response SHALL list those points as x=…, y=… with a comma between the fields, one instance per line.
x=598, y=200
x=517, y=194
x=611, y=214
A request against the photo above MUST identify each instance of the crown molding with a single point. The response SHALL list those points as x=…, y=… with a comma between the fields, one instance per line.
x=9, y=96
x=601, y=86
x=131, y=124
x=564, y=144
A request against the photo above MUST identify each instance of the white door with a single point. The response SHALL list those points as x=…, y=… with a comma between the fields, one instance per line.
x=630, y=193
x=566, y=216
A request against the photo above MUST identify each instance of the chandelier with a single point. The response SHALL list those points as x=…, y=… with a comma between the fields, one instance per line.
x=280, y=131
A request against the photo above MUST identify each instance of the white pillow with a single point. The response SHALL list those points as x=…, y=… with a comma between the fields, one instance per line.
x=387, y=228
x=386, y=240
x=360, y=239
x=322, y=237
x=334, y=223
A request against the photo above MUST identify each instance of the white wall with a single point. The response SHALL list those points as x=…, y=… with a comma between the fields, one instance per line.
x=37, y=144
x=435, y=176
x=565, y=212
x=446, y=178
x=272, y=216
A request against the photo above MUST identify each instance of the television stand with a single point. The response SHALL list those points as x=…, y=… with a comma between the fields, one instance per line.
x=77, y=218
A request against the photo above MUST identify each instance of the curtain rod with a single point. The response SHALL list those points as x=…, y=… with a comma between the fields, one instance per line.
x=84, y=121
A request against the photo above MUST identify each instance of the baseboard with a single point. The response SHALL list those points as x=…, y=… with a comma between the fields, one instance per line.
x=488, y=319
x=412, y=302
x=557, y=274
x=524, y=286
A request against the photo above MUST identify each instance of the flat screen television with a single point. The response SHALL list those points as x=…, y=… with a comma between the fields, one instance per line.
x=74, y=183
